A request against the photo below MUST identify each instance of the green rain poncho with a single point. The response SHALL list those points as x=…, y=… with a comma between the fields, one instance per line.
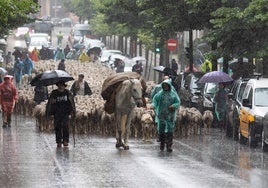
x=165, y=116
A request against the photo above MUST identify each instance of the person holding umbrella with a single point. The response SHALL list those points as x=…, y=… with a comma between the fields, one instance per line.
x=8, y=97
x=61, y=105
x=220, y=99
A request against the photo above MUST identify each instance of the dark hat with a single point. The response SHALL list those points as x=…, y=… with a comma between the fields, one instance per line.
x=61, y=82
x=81, y=75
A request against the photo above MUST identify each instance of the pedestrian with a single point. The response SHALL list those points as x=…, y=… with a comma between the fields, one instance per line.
x=154, y=91
x=18, y=71
x=8, y=98
x=8, y=58
x=83, y=57
x=28, y=65
x=60, y=38
x=220, y=99
x=34, y=55
x=61, y=65
x=165, y=104
x=81, y=87
x=137, y=68
x=17, y=53
x=120, y=65
x=66, y=50
x=174, y=65
x=59, y=54
x=40, y=94
x=71, y=54
x=43, y=53
x=61, y=105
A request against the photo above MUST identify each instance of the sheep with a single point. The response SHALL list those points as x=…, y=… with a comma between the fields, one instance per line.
x=207, y=119
x=195, y=118
x=147, y=124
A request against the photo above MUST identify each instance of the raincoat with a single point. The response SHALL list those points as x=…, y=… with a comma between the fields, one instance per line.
x=84, y=57
x=162, y=103
x=59, y=54
x=34, y=55
x=8, y=97
x=28, y=66
x=220, y=99
x=18, y=70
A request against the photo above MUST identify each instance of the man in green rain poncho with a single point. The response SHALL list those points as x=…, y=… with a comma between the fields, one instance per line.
x=165, y=104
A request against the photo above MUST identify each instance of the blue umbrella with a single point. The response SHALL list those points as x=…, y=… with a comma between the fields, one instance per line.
x=215, y=77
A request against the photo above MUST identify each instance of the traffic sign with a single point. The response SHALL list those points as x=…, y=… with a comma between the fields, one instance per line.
x=172, y=44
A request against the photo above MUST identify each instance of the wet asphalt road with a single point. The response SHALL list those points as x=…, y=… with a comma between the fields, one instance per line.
x=30, y=159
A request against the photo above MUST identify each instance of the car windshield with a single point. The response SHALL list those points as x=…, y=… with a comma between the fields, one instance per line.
x=261, y=95
x=39, y=43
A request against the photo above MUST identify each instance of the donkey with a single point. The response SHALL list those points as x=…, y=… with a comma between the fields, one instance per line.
x=128, y=95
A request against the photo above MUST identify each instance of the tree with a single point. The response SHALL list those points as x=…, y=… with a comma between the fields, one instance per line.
x=15, y=13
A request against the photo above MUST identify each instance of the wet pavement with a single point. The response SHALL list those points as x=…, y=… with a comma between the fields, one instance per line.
x=30, y=159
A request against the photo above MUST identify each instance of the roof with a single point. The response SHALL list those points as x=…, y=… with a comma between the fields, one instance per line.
x=259, y=83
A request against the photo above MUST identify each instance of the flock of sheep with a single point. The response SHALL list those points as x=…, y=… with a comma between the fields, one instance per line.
x=91, y=118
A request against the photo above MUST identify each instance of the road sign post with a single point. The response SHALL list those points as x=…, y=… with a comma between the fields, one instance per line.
x=172, y=44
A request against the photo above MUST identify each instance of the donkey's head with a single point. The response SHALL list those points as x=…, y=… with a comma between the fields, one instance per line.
x=136, y=91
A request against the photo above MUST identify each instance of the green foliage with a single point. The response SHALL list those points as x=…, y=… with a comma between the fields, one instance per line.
x=15, y=13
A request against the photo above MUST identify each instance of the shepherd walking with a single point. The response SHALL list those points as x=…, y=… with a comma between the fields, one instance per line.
x=8, y=98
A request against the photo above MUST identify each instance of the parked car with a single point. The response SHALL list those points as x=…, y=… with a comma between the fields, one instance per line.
x=34, y=36
x=233, y=104
x=38, y=42
x=21, y=31
x=208, y=95
x=106, y=56
x=253, y=109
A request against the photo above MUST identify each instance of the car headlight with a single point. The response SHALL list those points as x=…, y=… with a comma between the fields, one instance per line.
x=207, y=103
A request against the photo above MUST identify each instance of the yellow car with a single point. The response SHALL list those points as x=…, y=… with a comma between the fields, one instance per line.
x=253, y=109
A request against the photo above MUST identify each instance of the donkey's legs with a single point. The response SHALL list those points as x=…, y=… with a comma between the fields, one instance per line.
x=128, y=123
x=118, y=131
x=124, y=130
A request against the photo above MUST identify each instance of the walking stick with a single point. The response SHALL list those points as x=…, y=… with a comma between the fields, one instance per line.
x=73, y=129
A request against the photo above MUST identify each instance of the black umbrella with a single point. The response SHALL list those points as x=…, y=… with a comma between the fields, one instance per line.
x=50, y=77
x=166, y=70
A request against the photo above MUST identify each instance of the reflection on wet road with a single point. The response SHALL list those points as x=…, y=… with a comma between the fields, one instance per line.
x=31, y=159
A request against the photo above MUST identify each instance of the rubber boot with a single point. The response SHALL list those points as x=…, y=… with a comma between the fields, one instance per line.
x=169, y=141
x=162, y=141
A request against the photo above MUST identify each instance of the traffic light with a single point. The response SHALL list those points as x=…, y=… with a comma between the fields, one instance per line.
x=187, y=52
x=157, y=48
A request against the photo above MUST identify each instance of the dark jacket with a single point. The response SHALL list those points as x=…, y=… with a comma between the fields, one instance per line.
x=60, y=103
x=40, y=94
x=74, y=89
